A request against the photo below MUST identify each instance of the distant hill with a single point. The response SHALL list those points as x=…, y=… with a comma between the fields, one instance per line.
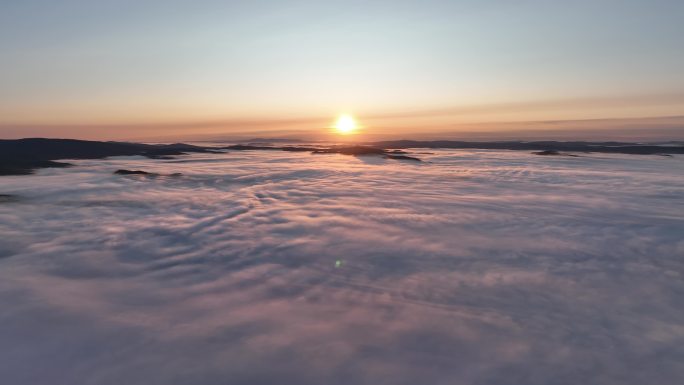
x=603, y=147
x=22, y=156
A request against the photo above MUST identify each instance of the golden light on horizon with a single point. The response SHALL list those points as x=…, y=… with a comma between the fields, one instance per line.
x=345, y=124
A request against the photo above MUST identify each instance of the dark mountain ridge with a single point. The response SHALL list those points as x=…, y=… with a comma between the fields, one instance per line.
x=22, y=156
x=602, y=147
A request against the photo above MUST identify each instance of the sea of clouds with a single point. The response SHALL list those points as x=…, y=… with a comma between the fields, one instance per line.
x=267, y=267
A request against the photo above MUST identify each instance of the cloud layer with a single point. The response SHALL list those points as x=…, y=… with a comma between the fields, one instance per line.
x=476, y=267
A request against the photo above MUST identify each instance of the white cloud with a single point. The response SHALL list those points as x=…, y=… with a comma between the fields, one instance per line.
x=476, y=267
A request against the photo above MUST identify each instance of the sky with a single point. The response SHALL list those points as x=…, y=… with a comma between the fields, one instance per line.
x=206, y=68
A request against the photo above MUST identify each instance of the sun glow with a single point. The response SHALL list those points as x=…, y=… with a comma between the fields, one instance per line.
x=345, y=125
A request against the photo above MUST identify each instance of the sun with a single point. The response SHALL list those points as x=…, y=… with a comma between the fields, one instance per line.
x=345, y=124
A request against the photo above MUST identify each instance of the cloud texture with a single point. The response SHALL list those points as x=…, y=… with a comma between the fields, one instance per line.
x=475, y=267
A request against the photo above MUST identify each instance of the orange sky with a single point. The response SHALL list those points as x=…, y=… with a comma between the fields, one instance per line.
x=646, y=116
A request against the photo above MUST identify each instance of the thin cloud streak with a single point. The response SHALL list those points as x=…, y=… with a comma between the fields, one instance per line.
x=634, y=129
